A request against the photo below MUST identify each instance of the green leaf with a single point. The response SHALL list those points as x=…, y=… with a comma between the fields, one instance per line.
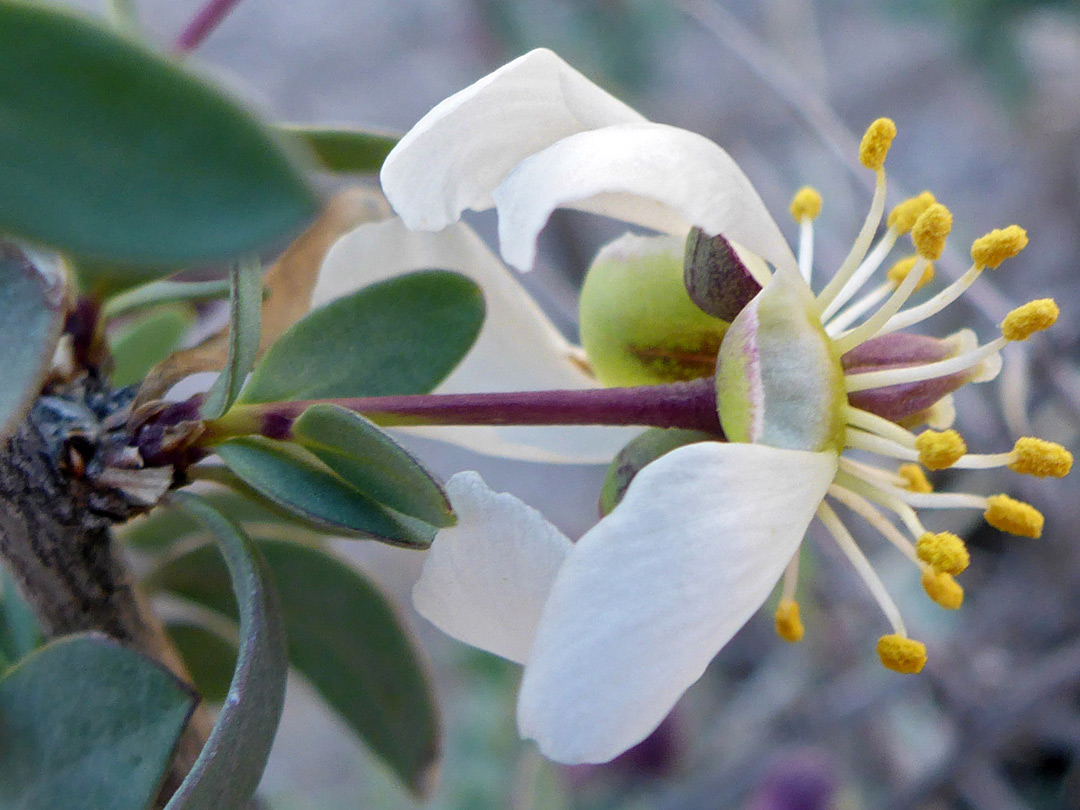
x=295, y=480
x=86, y=724
x=245, y=315
x=344, y=638
x=400, y=336
x=157, y=293
x=138, y=346
x=346, y=151
x=31, y=316
x=232, y=761
x=371, y=461
x=116, y=155
x=209, y=659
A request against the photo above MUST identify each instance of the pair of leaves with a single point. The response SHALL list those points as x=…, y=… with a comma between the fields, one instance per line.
x=343, y=637
x=106, y=745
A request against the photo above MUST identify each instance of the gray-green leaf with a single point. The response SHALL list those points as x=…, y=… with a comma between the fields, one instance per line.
x=86, y=724
x=344, y=638
x=366, y=457
x=400, y=336
x=295, y=480
x=245, y=316
x=115, y=154
x=140, y=345
x=31, y=316
x=232, y=761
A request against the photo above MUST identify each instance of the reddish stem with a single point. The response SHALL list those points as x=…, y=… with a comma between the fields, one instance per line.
x=690, y=405
x=203, y=24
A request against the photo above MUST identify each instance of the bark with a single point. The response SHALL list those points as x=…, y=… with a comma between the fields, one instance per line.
x=56, y=539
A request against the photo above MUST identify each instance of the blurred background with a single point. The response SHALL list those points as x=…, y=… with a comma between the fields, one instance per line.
x=986, y=96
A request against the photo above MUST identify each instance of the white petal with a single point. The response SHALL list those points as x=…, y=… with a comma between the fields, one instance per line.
x=518, y=349
x=485, y=580
x=653, y=175
x=462, y=149
x=648, y=596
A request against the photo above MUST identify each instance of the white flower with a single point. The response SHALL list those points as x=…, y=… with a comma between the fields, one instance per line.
x=614, y=628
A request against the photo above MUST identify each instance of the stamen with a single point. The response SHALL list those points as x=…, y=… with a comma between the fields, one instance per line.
x=859, y=478
x=872, y=443
x=902, y=654
x=872, y=326
x=914, y=478
x=1013, y=516
x=789, y=624
x=843, y=320
x=876, y=424
x=875, y=145
x=899, y=271
x=866, y=510
x=944, y=552
x=876, y=142
x=1031, y=456
x=931, y=230
x=866, y=269
x=1000, y=244
x=926, y=371
x=1032, y=317
x=916, y=314
x=862, y=566
x=805, y=207
x=806, y=204
x=939, y=451
x=943, y=589
x=902, y=217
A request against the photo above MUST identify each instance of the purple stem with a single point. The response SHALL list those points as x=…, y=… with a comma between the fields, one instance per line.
x=690, y=405
x=203, y=23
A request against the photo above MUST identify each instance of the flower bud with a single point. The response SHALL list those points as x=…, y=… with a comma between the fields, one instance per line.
x=638, y=324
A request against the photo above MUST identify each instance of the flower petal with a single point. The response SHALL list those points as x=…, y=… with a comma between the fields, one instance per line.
x=648, y=596
x=462, y=149
x=653, y=175
x=485, y=580
x=518, y=348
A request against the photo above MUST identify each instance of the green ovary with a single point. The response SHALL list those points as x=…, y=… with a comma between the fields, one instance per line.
x=638, y=324
x=779, y=381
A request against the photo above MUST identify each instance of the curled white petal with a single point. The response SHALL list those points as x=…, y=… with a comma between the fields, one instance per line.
x=647, y=597
x=486, y=579
x=652, y=175
x=457, y=153
x=518, y=348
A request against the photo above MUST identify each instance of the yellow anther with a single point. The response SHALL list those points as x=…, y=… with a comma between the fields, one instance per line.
x=943, y=589
x=899, y=271
x=937, y=451
x=915, y=479
x=998, y=245
x=902, y=218
x=901, y=654
x=806, y=204
x=930, y=231
x=944, y=552
x=1032, y=317
x=876, y=142
x=1040, y=458
x=1013, y=516
x=789, y=625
